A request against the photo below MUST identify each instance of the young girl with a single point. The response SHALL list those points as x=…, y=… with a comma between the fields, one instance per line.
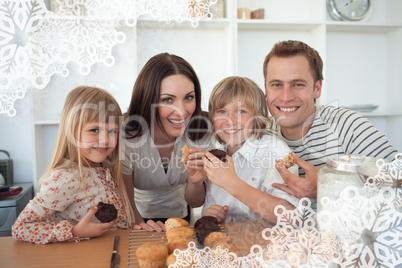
x=84, y=170
x=240, y=189
x=164, y=115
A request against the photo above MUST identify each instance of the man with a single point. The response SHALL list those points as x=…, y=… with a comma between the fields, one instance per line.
x=293, y=82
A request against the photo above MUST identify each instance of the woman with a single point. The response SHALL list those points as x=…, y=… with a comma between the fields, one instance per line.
x=164, y=115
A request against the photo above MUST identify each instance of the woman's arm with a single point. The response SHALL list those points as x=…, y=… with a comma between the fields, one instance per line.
x=224, y=175
x=195, y=189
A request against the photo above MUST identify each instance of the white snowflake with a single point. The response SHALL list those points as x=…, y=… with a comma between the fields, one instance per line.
x=35, y=43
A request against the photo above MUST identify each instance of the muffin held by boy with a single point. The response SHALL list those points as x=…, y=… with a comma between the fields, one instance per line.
x=106, y=212
x=178, y=243
x=216, y=237
x=175, y=222
x=151, y=255
x=181, y=231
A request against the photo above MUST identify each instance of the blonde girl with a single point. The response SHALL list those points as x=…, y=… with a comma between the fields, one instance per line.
x=240, y=189
x=84, y=170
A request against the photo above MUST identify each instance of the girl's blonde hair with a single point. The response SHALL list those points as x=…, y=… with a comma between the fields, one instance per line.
x=235, y=88
x=84, y=105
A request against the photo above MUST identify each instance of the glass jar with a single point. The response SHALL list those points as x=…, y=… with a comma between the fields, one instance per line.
x=339, y=173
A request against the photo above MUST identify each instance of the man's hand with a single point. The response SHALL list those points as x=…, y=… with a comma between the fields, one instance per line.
x=218, y=212
x=299, y=187
x=85, y=228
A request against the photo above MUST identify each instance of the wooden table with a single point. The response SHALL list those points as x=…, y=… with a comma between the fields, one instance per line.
x=97, y=252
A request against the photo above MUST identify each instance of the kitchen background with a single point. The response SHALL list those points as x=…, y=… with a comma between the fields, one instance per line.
x=362, y=61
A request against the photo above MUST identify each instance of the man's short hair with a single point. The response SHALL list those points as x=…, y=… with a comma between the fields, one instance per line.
x=294, y=48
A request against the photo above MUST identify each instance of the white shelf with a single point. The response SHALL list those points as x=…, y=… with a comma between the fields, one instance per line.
x=46, y=122
x=345, y=26
x=203, y=23
x=380, y=114
x=362, y=60
x=245, y=25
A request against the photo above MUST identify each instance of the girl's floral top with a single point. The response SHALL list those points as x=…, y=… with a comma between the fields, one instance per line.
x=62, y=203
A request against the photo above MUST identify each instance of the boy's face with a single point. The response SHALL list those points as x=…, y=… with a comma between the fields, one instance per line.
x=97, y=141
x=291, y=91
x=233, y=123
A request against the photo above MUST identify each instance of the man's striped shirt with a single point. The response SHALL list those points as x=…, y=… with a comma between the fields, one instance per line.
x=337, y=131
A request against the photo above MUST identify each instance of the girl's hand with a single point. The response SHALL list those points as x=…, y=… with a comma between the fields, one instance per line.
x=85, y=228
x=222, y=174
x=195, y=166
x=150, y=225
x=218, y=212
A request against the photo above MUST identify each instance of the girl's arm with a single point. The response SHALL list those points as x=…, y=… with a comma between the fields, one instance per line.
x=195, y=189
x=224, y=175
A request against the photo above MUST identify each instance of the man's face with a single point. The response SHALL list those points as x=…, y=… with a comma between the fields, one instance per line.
x=291, y=91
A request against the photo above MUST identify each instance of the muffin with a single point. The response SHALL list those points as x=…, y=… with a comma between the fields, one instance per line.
x=178, y=243
x=151, y=255
x=175, y=222
x=204, y=220
x=106, y=212
x=171, y=259
x=221, y=155
x=216, y=237
x=204, y=229
x=181, y=231
x=229, y=246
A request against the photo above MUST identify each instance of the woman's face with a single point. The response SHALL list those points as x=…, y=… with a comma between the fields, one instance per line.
x=177, y=104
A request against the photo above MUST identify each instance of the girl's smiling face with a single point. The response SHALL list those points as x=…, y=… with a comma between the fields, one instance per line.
x=97, y=141
x=177, y=104
x=233, y=123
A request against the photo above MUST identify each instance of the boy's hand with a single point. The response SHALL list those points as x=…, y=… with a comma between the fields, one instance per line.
x=222, y=174
x=86, y=228
x=218, y=212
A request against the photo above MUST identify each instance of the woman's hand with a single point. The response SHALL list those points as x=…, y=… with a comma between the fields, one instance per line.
x=86, y=228
x=195, y=166
x=150, y=225
x=218, y=212
x=220, y=173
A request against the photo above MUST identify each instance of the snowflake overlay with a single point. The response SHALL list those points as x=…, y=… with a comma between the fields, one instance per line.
x=364, y=231
x=36, y=43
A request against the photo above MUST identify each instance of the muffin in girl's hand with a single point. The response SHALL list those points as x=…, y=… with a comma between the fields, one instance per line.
x=151, y=255
x=106, y=212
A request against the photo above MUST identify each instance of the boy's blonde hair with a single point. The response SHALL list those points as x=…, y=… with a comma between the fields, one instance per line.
x=84, y=105
x=235, y=88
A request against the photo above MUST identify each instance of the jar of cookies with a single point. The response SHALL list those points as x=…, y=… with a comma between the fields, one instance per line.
x=339, y=173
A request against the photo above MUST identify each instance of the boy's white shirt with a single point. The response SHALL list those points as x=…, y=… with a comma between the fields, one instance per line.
x=255, y=164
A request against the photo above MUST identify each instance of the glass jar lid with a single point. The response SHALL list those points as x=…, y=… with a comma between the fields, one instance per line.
x=348, y=163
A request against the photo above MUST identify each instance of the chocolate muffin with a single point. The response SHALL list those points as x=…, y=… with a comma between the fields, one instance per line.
x=205, y=219
x=106, y=212
x=221, y=155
